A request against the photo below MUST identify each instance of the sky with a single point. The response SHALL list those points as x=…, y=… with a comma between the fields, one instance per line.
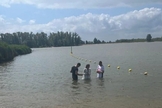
x=106, y=20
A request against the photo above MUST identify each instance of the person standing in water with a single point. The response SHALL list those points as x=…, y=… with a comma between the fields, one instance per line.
x=74, y=71
x=87, y=72
x=100, y=70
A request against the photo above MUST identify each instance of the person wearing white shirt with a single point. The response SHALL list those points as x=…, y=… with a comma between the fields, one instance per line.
x=87, y=72
x=100, y=70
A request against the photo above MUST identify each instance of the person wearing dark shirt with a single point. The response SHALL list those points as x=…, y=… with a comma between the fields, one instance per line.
x=74, y=71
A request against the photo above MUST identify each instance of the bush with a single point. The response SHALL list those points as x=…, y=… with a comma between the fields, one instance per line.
x=8, y=52
x=20, y=49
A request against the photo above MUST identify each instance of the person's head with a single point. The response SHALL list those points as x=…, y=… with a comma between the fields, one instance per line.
x=88, y=66
x=100, y=63
x=78, y=64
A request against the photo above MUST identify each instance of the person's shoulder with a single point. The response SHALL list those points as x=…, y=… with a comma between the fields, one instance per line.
x=85, y=69
x=74, y=67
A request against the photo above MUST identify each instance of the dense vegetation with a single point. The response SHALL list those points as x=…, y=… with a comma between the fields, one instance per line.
x=8, y=52
x=42, y=39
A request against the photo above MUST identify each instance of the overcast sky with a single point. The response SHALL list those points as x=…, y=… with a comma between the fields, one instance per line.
x=104, y=19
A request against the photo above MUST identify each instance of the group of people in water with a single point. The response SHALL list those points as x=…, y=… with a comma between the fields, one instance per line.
x=87, y=71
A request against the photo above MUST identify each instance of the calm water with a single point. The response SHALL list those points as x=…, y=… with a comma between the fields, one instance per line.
x=42, y=78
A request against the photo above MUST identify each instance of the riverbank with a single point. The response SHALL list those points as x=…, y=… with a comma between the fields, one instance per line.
x=8, y=52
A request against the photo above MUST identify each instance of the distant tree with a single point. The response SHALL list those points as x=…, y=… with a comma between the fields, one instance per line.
x=86, y=42
x=98, y=41
x=148, y=38
x=95, y=40
x=103, y=41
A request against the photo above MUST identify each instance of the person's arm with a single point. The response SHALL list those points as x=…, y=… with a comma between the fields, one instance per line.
x=76, y=72
x=84, y=71
x=71, y=69
x=89, y=71
x=97, y=70
x=102, y=69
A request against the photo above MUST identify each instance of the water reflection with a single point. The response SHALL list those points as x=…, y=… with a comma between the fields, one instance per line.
x=87, y=86
x=100, y=82
x=75, y=85
x=4, y=74
x=75, y=88
x=81, y=87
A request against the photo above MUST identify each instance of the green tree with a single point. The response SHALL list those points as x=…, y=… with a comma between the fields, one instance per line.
x=95, y=41
x=103, y=41
x=148, y=38
x=34, y=40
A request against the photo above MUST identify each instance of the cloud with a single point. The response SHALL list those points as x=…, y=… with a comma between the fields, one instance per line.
x=62, y=4
x=19, y=20
x=1, y=18
x=31, y=21
x=134, y=24
x=5, y=3
x=3, y=22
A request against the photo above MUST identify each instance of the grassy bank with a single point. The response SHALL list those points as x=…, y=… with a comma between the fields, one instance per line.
x=8, y=52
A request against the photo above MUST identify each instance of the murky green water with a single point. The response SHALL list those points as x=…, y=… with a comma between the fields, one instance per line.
x=42, y=78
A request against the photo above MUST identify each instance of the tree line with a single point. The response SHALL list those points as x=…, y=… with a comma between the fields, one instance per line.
x=35, y=40
x=147, y=39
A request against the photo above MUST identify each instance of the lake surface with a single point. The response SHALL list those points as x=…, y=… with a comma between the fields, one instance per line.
x=42, y=79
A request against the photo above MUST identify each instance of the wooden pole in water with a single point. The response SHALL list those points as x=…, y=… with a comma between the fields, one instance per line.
x=71, y=46
x=71, y=50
